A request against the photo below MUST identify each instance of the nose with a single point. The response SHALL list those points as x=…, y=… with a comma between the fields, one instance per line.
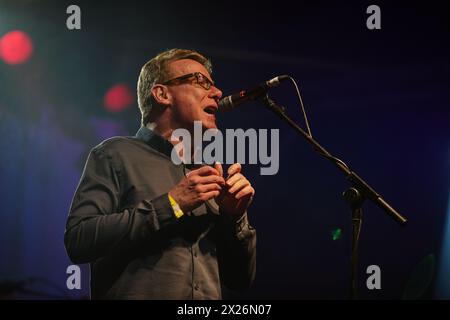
x=215, y=93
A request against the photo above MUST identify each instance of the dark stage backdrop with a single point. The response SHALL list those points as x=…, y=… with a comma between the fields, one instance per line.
x=378, y=99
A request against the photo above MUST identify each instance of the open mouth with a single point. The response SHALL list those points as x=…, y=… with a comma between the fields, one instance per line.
x=210, y=110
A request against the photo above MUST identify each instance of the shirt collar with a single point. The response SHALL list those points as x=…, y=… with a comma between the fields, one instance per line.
x=155, y=141
x=158, y=143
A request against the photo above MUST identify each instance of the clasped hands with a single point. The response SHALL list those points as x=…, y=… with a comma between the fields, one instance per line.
x=233, y=194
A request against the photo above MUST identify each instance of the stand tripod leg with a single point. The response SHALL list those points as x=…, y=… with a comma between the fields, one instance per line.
x=354, y=199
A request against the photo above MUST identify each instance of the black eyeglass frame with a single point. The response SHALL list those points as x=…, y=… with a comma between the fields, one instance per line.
x=200, y=79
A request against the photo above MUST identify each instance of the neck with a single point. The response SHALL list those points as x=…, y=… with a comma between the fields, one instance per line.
x=163, y=131
x=166, y=132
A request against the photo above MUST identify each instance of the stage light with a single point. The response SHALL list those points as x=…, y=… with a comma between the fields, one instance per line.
x=118, y=98
x=443, y=280
x=16, y=47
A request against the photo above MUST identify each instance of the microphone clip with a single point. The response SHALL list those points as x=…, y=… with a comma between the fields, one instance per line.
x=272, y=105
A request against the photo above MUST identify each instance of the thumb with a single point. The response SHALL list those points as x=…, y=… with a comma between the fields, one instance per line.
x=218, y=167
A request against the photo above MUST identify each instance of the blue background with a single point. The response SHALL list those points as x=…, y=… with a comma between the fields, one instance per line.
x=378, y=99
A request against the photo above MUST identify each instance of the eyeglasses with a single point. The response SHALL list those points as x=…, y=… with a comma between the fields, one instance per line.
x=197, y=77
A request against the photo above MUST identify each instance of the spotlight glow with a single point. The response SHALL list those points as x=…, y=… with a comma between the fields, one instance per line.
x=118, y=98
x=15, y=47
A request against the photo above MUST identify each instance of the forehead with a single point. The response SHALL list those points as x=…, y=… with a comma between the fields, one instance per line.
x=184, y=66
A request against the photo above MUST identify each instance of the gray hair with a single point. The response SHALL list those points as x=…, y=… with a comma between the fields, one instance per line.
x=156, y=71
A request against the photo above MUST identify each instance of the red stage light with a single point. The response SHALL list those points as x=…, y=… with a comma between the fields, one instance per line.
x=118, y=98
x=15, y=47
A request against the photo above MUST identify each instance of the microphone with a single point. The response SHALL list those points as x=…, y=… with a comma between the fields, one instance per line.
x=232, y=101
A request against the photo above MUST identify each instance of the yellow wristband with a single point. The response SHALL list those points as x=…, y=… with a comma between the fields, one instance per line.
x=176, y=208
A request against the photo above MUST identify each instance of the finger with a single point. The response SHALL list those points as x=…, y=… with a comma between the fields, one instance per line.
x=208, y=179
x=234, y=168
x=218, y=167
x=209, y=195
x=247, y=191
x=244, y=202
x=239, y=185
x=231, y=181
x=204, y=171
x=204, y=188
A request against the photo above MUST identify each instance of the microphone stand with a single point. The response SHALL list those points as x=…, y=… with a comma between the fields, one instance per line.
x=354, y=196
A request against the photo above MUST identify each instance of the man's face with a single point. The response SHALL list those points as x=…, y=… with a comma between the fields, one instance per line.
x=192, y=102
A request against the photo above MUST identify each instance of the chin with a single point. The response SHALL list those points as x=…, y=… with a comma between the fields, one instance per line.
x=212, y=126
x=208, y=124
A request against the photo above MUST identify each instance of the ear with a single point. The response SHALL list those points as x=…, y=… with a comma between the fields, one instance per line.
x=161, y=95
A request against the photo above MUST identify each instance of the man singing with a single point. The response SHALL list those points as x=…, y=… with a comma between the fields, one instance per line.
x=152, y=229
